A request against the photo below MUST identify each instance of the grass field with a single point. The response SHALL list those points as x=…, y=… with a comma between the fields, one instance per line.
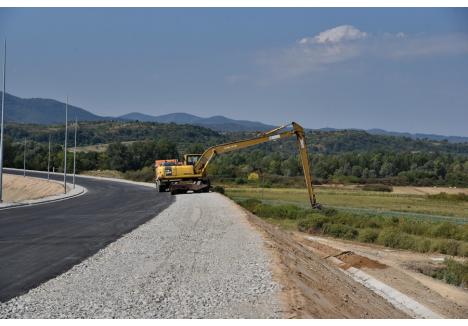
x=424, y=223
x=359, y=201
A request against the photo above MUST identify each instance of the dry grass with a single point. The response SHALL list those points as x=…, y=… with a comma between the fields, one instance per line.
x=99, y=148
x=104, y=174
x=19, y=188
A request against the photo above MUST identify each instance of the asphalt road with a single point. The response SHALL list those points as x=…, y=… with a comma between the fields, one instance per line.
x=40, y=242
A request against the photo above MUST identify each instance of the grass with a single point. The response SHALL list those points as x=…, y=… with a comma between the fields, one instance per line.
x=144, y=175
x=360, y=201
x=454, y=272
x=443, y=196
x=104, y=173
x=395, y=232
x=451, y=271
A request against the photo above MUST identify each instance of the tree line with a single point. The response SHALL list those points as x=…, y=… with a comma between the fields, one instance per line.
x=336, y=156
x=403, y=168
x=117, y=156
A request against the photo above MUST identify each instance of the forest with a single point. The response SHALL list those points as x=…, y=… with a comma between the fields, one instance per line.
x=345, y=156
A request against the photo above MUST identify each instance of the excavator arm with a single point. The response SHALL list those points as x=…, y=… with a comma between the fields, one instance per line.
x=275, y=134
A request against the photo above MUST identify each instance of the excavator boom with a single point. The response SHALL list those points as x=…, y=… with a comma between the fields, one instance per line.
x=173, y=175
x=275, y=134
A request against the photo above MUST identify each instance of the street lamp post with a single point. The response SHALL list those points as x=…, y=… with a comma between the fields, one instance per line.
x=24, y=158
x=74, y=154
x=65, y=149
x=1, y=126
x=48, y=162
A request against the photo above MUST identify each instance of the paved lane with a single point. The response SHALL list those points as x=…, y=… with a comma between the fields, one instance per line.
x=40, y=242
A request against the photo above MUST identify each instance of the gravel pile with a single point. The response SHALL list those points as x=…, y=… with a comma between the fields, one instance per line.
x=199, y=258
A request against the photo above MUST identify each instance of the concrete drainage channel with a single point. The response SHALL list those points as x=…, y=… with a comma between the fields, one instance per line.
x=393, y=296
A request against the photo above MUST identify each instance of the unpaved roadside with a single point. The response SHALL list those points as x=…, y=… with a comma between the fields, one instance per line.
x=393, y=267
x=18, y=188
x=314, y=288
x=196, y=259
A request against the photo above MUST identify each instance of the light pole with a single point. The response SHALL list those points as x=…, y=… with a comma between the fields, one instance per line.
x=24, y=158
x=1, y=127
x=48, y=162
x=65, y=149
x=74, y=154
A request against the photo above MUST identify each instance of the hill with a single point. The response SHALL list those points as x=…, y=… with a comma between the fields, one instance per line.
x=450, y=139
x=43, y=111
x=325, y=142
x=48, y=111
x=219, y=123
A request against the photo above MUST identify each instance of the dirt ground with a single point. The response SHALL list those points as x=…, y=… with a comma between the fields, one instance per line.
x=396, y=269
x=314, y=288
x=18, y=188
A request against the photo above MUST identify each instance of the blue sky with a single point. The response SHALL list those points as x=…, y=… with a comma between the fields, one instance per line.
x=395, y=69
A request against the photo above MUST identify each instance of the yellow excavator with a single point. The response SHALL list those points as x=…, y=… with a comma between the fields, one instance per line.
x=190, y=175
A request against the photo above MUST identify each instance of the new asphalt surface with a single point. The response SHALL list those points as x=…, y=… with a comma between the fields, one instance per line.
x=40, y=242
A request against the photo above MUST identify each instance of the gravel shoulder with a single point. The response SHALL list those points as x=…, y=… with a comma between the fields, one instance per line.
x=196, y=259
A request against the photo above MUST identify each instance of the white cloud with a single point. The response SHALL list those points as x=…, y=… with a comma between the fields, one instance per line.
x=335, y=35
x=344, y=43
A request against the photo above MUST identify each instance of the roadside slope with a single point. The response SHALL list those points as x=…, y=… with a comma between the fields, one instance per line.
x=18, y=188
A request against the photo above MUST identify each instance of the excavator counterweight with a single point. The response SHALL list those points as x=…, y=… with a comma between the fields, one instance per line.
x=191, y=174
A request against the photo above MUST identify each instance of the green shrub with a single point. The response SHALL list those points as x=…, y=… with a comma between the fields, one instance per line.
x=312, y=223
x=423, y=245
x=218, y=189
x=240, y=181
x=394, y=232
x=329, y=211
x=280, y=211
x=250, y=203
x=368, y=235
x=444, y=246
x=340, y=231
x=449, y=197
x=392, y=237
x=415, y=227
x=463, y=249
x=307, y=225
x=443, y=230
x=377, y=187
x=454, y=273
x=146, y=174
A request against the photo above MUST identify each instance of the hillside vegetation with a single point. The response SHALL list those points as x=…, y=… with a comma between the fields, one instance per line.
x=337, y=156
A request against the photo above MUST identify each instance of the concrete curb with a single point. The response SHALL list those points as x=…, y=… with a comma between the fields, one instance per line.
x=76, y=192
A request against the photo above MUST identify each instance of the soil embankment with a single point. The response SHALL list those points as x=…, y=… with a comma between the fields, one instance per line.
x=18, y=188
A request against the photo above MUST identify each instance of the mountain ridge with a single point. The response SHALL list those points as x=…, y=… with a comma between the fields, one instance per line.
x=49, y=111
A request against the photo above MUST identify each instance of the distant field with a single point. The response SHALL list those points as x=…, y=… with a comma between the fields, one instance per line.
x=92, y=148
x=100, y=148
x=401, y=203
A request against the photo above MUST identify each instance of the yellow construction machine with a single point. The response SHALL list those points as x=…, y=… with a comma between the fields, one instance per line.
x=190, y=175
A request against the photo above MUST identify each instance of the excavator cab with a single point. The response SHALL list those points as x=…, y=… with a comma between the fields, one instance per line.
x=191, y=159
